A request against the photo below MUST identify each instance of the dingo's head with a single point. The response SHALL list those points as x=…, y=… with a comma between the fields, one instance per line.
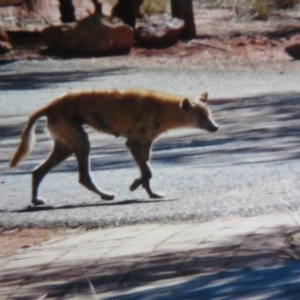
x=199, y=114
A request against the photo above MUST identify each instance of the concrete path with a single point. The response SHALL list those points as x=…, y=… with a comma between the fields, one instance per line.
x=250, y=258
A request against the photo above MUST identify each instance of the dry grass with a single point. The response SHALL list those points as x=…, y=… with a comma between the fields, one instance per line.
x=262, y=9
x=150, y=7
x=251, y=9
x=278, y=4
x=245, y=9
x=283, y=4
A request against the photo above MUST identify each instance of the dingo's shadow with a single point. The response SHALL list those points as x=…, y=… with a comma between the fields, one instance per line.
x=31, y=208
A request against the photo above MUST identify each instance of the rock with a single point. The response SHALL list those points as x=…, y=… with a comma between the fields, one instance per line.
x=93, y=35
x=5, y=45
x=293, y=47
x=158, y=33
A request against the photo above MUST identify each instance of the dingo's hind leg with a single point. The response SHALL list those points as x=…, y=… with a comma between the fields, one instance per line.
x=141, y=154
x=82, y=155
x=60, y=153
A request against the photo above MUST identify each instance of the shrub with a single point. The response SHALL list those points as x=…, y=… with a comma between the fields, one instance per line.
x=150, y=7
x=256, y=9
x=262, y=9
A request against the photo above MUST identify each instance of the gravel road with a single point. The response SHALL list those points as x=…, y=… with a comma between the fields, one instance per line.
x=249, y=167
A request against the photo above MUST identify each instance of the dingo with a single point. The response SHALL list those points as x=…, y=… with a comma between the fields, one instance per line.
x=138, y=115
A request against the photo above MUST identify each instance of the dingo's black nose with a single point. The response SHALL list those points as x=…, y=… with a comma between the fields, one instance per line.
x=212, y=127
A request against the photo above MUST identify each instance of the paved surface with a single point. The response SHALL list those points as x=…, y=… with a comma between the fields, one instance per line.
x=248, y=258
x=250, y=167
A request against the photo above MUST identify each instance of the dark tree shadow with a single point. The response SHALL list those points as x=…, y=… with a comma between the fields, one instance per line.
x=202, y=273
x=39, y=80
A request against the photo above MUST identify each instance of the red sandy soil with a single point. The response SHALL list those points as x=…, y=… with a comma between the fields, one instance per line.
x=15, y=240
x=220, y=35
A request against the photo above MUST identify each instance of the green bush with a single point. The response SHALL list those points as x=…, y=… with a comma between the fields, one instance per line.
x=262, y=9
x=150, y=7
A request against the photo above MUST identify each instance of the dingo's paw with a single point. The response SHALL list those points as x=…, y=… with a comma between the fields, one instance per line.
x=38, y=201
x=108, y=197
x=157, y=195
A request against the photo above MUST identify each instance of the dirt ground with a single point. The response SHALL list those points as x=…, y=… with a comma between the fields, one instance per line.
x=219, y=37
x=15, y=240
x=234, y=49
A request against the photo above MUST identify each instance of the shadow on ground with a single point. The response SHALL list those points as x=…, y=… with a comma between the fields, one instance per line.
x=30, y=208
x=39, y=80
x=226, y=270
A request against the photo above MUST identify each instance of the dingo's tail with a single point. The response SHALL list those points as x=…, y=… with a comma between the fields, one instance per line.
x=27, y=140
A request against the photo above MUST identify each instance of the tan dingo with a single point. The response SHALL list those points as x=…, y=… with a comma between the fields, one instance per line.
x=138, y=115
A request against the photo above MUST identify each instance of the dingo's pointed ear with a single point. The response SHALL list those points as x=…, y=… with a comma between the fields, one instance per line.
x=186, y=105
x=204, y=97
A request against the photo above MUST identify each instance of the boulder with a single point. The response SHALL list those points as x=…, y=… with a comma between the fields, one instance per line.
x=158, y=33
x=293, y=47
x=93, y=35
x=5, y=45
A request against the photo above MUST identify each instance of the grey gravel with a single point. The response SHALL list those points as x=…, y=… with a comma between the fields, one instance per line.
x=249, y=167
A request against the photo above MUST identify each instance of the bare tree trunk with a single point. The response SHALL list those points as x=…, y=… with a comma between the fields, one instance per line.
x=127, y=10
x=98, y=7
x=183, y=9
x=67, y=11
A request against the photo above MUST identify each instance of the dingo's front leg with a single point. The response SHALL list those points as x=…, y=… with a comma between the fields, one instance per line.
x=141, y=154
